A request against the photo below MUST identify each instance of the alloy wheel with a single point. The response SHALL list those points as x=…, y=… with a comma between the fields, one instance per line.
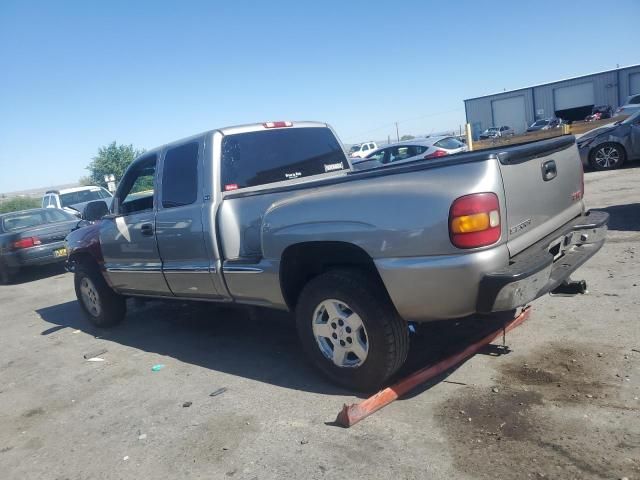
x=340, y=334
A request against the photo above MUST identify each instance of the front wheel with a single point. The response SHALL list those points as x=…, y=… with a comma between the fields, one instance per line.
x=103, y=307
x=607, y=156
x=350, y=330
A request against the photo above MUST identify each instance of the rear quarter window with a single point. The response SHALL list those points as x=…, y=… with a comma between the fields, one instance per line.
x=448, y=143
x=268, y=156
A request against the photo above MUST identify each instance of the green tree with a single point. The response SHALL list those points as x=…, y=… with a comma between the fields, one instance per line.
x=407, y=137
x=19, y=203
x=111, y=159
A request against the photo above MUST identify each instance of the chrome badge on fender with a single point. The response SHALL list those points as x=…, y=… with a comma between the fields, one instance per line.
x=521, y=226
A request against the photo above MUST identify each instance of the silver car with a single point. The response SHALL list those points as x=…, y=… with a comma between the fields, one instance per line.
x=410, y=150
x=608, y=147
x=630, y=106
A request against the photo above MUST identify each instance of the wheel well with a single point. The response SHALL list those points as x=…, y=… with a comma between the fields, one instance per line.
x=303, y=261
x=83, y=258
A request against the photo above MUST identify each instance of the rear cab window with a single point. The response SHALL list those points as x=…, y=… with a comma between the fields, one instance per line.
x=267, y=156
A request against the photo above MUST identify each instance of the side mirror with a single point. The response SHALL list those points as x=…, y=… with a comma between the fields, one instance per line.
x=95, y=210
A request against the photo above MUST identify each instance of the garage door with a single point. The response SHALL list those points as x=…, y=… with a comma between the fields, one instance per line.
x=634, y=83
x=510, y=112
x=573, y=96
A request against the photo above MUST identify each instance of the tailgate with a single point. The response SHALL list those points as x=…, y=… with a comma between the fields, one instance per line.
x=543, y=185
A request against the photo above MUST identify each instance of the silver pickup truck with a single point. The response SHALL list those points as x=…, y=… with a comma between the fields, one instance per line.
x=273, y=215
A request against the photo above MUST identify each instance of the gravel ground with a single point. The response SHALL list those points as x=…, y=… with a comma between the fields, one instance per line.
x=563, y=403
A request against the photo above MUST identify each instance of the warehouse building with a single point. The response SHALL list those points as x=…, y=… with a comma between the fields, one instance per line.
x=571, y=99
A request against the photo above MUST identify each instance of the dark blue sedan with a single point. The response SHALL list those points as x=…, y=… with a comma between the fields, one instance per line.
x=33, y=237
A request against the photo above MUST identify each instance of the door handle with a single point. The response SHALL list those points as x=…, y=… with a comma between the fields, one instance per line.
x=146, y=229
x=549, y=170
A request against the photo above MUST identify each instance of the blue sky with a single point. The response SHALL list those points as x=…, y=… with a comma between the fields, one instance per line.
x=78, y=75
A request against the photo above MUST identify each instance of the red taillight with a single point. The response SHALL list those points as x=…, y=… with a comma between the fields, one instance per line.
x=26, y=242
x=277, y=124
x=436, y=154
x=474, y=220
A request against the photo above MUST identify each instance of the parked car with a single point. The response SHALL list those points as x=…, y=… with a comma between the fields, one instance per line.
x=627, y=110
x=630, y=106
x=272, y=215
x=494, y=132
x=545, y=124
x=362, y=150
x=608, y=147
x=600, y=112
x=73, y=200
x=411, y=150
x=33, y=237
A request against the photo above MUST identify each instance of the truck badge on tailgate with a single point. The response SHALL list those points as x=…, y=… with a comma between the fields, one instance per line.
x=521, y=226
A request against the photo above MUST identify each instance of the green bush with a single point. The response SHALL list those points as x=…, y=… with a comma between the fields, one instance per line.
x=19, y=203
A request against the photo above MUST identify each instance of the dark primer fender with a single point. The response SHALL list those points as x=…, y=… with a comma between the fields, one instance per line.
x=85, y=240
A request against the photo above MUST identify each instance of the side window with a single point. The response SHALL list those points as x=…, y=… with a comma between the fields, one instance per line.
x=635, y=99
x=135, y=193
x=180, y=176
x=365, y=148
x=401, y=153
x=54, y=216
x=420, y=149
x=379, y=155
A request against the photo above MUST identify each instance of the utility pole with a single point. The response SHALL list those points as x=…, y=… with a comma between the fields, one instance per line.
x=397, y=133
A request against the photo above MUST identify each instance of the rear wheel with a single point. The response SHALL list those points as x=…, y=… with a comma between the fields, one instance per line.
x=103, y=307
x=607, y=156
x=350, y=330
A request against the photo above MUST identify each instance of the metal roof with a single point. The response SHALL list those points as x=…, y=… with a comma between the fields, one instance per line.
x=551, y=83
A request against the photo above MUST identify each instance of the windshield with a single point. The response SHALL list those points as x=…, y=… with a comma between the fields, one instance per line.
x=355, y=148
x=83, y=196
x=492, y=129
x=632, y=118
x=33, y=218
x=540, y=123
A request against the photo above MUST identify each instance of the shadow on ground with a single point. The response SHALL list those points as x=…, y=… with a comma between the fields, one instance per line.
x=258, y=344
x=624, y=218
x=31, y=274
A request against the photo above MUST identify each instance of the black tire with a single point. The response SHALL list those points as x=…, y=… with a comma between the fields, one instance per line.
x=386, y=334
x=600, y=158
x=111, y=306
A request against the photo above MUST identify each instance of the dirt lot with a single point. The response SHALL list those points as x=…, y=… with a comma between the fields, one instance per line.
x=564, y=403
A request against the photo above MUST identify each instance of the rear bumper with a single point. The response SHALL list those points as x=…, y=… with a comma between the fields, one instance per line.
x=41, y=255
x=537, y=270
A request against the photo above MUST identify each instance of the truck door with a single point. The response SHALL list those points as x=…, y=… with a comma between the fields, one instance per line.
x=187, y=265
x=127, y=236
